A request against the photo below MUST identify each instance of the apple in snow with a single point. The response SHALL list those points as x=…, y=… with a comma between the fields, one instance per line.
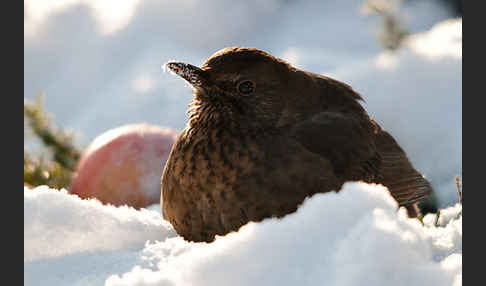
x=123, y=166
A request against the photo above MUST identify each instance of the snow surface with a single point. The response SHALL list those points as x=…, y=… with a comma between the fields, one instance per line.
x=354, y=237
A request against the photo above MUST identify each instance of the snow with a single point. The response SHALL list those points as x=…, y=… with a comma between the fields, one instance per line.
x=101, y=69
x=67, y=225
x=354, y=237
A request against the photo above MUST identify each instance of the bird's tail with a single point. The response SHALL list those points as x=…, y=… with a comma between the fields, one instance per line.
x=407, y=186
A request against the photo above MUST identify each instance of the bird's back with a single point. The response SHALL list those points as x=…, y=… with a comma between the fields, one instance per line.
x=348, y=124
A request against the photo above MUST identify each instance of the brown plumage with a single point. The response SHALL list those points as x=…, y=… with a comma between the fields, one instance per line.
x=262, y=136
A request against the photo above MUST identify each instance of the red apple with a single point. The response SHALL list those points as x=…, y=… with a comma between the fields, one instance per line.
x=124, y=165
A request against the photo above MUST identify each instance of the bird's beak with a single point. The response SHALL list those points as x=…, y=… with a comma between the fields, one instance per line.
x=192, y=74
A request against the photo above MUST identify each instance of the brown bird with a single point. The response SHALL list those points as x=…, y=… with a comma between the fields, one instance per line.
x=262, y=136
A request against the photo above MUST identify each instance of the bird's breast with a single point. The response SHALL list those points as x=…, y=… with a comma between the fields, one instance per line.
x=209, y=162
x=215, y=182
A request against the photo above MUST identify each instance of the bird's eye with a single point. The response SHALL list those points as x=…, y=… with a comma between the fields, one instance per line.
x=245, y=87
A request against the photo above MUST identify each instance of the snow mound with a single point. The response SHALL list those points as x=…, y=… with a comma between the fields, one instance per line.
x=443, y=40
x=354, y=237
x=59, y=224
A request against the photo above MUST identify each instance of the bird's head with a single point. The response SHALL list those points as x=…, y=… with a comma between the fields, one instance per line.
x=248, y=84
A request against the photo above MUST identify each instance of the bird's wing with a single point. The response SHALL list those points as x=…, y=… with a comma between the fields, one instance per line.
x=345, y=140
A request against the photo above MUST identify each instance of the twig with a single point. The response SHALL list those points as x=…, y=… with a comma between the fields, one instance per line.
x=459, y=189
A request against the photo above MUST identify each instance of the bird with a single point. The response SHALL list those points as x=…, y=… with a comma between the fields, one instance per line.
x=262, y=136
